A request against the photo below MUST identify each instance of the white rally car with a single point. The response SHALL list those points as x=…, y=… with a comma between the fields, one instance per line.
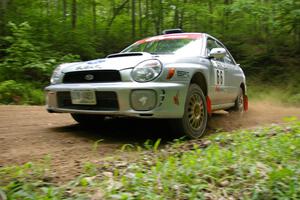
x=179, y=76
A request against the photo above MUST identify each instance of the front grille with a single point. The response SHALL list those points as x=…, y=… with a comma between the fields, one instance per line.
x=106, y=101
x=92, y=76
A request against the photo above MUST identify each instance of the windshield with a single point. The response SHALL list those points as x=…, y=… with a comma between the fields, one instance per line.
x=180, y=46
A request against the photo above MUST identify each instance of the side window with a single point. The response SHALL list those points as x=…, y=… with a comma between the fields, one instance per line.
x=228, y=59
x=212, y=44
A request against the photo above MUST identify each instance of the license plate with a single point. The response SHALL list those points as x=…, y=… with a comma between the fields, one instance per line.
x=85, y=97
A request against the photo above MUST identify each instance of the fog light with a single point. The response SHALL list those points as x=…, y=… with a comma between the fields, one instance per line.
x=50, y=98
x=143, y=100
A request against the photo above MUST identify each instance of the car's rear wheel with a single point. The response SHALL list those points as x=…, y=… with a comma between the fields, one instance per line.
x=239, y=102
x=86, y=119
x=193, y=123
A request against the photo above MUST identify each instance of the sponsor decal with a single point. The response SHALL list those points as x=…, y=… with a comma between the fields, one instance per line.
x=92, y=62
x=176, y=99
x=183, y=74
x=85, y=67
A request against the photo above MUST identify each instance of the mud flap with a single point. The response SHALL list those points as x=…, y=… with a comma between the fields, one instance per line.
x=208, y=105
x=246, y=103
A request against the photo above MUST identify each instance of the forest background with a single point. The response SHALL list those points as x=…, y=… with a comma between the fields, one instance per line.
x=37, y=35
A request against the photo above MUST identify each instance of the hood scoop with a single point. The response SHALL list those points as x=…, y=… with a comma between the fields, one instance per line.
x=127, y=54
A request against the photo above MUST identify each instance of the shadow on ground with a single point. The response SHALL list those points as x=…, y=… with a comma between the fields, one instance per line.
x=122, y=130
x=127, y=130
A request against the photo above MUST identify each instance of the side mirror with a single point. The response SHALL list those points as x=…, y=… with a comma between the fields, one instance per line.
x=217, y=53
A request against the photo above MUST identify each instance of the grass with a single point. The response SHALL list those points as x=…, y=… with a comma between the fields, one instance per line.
x=288, y=94
x=245, y=164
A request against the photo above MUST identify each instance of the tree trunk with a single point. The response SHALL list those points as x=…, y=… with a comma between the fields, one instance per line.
x=56, y=5
x=133, y=19
x=181, y=16
x=4, y=4
x=146, y=18
x=140, y=19
x=3, y=9
x=210, y=20
x=48, y=9
x=296, y=27
x=64, y=10
x=94, y=11
x=161, y=16
x=74, y=14
x=157, y=8
x=225, y=20
x=116, y=12
x=176, y=16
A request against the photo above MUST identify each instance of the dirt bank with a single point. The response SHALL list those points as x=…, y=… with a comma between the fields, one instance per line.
x=29, y=133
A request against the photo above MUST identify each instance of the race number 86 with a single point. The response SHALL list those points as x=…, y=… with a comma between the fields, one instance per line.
x=219, y=77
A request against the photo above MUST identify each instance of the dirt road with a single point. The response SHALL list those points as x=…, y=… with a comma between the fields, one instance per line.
x=29, y=133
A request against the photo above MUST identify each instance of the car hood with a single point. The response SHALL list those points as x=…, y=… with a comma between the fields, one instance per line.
x=119, y=61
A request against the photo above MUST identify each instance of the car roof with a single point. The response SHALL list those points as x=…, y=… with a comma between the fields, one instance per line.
x=172, y=36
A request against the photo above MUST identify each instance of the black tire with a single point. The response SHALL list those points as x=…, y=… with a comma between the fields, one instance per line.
x=194, y=120
x=239, y=102
x=86, y=119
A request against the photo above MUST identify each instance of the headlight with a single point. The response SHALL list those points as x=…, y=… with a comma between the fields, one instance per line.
x=146, y=71
x=56, y=75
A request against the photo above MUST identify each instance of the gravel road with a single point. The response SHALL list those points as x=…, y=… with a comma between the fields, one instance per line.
x=29, y=133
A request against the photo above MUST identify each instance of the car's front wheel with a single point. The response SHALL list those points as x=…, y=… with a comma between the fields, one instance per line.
x=194, y=121
x=86, y=119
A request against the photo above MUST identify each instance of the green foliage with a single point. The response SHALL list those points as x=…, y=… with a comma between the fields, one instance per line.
x=26, y=68
x=127, y=147
x=257, y=164
x=20, y=181
x=12, y=92
x=24, y=60
x=97, y=144
x=264, y=36
x=152, y=145
x=286, y=94
x=262, y=163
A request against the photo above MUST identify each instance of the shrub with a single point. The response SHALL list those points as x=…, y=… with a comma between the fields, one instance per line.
x=12, y=92
x=27, y=61
x=36, y=97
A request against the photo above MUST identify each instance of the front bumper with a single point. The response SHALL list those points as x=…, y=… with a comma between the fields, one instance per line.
x=168, y=103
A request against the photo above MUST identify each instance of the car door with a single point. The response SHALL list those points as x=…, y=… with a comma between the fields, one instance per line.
x=232, y=73
x=218, y=82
